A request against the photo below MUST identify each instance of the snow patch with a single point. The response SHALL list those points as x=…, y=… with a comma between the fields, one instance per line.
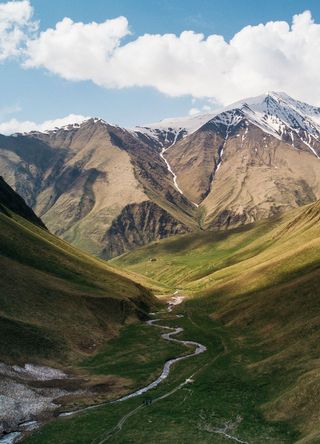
x=30, y=371
x=21, y=401
x=163, y=150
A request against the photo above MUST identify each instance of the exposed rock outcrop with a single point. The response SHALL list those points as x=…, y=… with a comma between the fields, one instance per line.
x=139, y=224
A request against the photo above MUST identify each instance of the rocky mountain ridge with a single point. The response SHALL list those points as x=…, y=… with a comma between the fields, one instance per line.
x=108, y=189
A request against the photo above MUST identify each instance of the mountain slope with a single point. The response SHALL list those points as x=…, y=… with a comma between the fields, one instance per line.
x=199, y=261
x=10, y=200
x=80, y=178
x=93, y=184
x=254, y=160
x=261, y=283
x=57, y=302
x=58, y=307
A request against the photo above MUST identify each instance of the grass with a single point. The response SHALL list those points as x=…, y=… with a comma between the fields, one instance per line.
x=253, y=301
x=137, y=354
x=236, y=262
x=33, y=340
x=263, y=282
x=223, y=390
x=58, y=303
x=188, y=258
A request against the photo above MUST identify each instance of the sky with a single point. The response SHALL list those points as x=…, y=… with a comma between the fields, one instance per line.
x=133, y=62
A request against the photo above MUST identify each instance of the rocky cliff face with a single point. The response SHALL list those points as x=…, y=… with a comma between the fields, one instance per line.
x=139, y=224
x=94, y=183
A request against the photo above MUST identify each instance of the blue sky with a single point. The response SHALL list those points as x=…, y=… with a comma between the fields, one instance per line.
x=39, y=94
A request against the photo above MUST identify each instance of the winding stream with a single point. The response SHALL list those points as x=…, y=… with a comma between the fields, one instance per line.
x=172, y=331
x=199, y=348
x=12, y=438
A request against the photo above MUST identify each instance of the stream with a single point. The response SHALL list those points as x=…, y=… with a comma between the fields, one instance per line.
x=199, y=348
x=172, y=331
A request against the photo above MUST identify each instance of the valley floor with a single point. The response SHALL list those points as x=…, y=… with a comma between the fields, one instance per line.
x=220, y=402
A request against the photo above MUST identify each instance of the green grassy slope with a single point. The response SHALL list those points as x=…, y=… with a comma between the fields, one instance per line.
x=57, y=302
x=237, y=261
x=262, y=283
x=253, y=301
x=181, y=260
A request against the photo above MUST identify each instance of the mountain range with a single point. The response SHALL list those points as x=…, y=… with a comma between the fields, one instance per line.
x=109, y=189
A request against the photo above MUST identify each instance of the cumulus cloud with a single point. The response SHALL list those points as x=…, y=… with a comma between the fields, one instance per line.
x=16, y=27
x=15, y=126
x=273, y=56
x=77, y=51
x=268, y=56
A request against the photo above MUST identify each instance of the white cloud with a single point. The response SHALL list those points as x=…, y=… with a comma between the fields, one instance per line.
x=194, y=111
x=16, y=26
x=77, y=51
x=15, y=126
x=271, y=56
x=203, y=109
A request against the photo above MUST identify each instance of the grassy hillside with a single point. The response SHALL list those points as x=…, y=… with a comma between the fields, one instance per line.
x=236, y=261
x=56, y=302
x=183, y=260
x=262, y=284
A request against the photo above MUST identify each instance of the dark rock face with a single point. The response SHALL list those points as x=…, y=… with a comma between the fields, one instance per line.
x=137, y=225
x=10, y=200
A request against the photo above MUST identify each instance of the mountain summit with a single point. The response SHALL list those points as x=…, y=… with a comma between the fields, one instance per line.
x=249, y=161
x=108, y=189
x=274, y=112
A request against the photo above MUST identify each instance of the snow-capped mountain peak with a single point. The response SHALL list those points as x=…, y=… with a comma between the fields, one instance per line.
x=283, y=117
x=276, y=113
x=53, y=129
